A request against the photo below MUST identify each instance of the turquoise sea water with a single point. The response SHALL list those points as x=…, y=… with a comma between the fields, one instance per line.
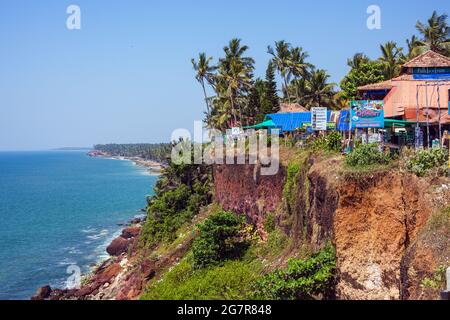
x=59, y=209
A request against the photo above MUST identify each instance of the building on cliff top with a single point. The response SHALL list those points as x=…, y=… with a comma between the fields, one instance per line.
x=424, y=78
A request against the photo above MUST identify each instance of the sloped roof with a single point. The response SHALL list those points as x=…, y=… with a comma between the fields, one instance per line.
x=291, y=107
x=428, y=59
x=384, y=85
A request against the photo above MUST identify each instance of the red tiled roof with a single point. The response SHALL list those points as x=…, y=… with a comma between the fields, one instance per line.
x=428, y=59
x=385, y=85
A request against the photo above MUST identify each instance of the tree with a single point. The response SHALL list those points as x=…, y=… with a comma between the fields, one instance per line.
x=271, y=95
x=218, y=240
x=367, y=73
x=234, y=76
x=319, y=92
x=436, y=33
x=415, y=48
x=357, y=60
x=391, y=58
x=281, y=59
x=204, y=72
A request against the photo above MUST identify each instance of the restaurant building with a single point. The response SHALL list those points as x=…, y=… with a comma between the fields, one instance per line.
x=419, y=95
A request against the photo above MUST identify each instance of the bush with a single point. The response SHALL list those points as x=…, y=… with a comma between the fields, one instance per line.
x=366, y=155
x=332, y=142
x=218, y=240
x=424, y=160
x=230, y=281
x=311, y=278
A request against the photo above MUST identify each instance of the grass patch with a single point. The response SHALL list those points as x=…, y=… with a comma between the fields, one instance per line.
x=230, y=281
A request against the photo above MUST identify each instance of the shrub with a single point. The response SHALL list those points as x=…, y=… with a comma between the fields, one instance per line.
x=332, y=142
x=230, y=281
x=366, y=155
x=424, y=160
x=218, y=240
x=311, y=278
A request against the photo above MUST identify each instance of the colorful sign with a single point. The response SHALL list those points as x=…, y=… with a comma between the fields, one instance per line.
x=367, y=114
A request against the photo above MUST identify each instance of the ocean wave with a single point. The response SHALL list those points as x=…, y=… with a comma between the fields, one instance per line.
x=101, y=234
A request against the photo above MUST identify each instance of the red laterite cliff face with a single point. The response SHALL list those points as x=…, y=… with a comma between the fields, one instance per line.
x=375, y=222
x=241, y=189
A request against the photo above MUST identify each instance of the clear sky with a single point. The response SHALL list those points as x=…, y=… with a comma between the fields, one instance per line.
x=126, y=75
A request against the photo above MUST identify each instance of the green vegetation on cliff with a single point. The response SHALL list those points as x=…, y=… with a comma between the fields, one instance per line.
x=303, y=279
x=180, y=192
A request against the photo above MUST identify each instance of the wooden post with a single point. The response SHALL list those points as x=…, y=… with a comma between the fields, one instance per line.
x=445, y=294
x=439, y=117
x=428, y=119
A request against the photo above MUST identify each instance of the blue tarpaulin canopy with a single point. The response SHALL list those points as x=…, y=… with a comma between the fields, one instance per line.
x=292, y=121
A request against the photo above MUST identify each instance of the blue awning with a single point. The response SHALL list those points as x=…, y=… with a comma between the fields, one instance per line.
x=291, y=121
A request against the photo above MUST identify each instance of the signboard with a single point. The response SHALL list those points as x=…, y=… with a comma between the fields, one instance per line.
x=367, y=114
x=319, y=119
x=433, y=73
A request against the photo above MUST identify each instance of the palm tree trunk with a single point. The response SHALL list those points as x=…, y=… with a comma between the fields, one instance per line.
x=206, y=97
x=287, y=90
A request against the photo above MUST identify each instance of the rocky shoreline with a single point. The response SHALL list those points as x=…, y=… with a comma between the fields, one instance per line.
x=116, y=277
x=102, y=282
x=153, y=167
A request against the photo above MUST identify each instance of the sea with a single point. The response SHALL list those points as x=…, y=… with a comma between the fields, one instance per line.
x=59, y=210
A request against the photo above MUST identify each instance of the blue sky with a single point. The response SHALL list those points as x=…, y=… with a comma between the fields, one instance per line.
x=126, y=75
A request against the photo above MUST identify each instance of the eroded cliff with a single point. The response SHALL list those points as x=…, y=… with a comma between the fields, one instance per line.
x=373, y=219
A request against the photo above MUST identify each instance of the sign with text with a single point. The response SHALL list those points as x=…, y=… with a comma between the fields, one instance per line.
x=367, y=114
x=319, y=119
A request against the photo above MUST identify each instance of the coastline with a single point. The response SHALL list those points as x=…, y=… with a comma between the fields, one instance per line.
x=153, y=167
x=97, y=283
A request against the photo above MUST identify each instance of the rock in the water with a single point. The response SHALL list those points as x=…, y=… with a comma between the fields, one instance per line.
x=118, y=246
x=130, y=232
x=42, y=293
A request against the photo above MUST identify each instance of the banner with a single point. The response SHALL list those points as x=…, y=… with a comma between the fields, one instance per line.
x=367, y=114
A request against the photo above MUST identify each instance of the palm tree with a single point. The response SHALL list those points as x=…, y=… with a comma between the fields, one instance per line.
x=298, y=66
x=234, y=51
x=235, y=77
x=415, y=48
x=391, y=57
x=204, y=72
x=319, y=91
x=436, y=33
x=357, y=60
x=281, y=59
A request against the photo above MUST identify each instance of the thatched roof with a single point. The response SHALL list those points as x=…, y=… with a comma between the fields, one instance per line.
x=428, y=59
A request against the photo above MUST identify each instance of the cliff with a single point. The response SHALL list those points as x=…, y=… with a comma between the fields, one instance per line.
x=373, y=219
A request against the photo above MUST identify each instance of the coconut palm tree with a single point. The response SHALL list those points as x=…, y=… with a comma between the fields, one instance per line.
x=436, y=33
x=357, y=60
x=391, y=58
x=204, y=72
x=298, y=67
x=281, y=59
x=319, y=92
x=235, y=76
x=415, y=48
x=235, y=51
